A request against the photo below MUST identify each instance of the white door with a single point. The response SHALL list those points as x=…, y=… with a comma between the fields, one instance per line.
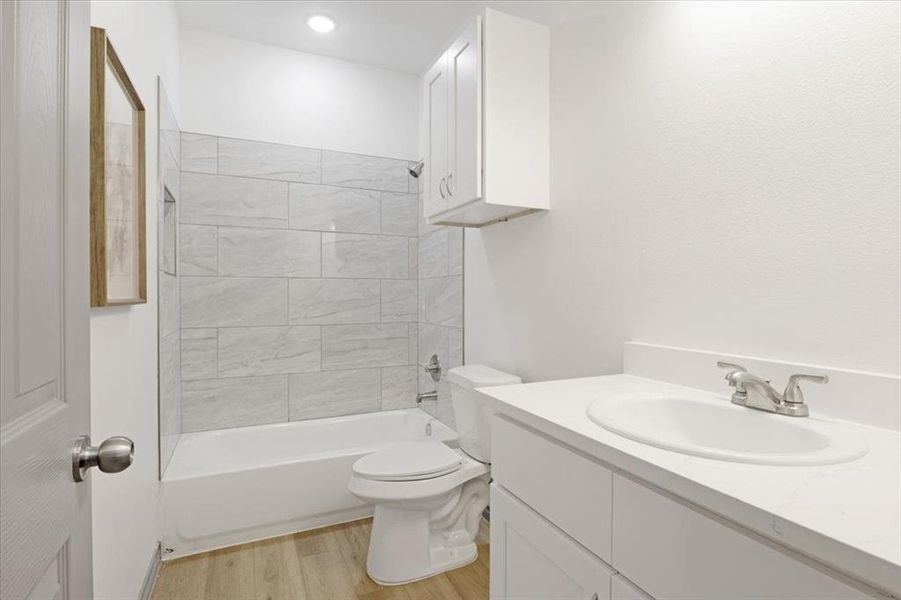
x=45, y=517
x=533, y=560
x=464, y=60
x=435, y=93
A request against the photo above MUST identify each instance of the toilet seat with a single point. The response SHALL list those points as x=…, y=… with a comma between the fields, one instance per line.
x=409, y=461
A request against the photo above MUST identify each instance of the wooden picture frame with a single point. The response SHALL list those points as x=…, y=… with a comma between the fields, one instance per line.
x=118, y=181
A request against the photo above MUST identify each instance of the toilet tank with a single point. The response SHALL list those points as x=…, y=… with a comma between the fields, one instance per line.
x=472, y=410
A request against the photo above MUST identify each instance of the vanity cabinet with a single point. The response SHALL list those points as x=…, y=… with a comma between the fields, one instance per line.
x=487, y=123
x=538, y=561
x=553, y=507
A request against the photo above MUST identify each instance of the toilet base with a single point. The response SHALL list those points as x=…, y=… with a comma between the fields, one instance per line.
x=409, y=545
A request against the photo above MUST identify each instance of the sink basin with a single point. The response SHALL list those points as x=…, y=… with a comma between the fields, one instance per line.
x=717, y=429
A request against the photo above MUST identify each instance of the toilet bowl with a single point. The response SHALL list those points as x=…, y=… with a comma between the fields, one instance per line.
x=428, y=497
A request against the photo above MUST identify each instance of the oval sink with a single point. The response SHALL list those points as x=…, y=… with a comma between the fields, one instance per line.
x=720, y=430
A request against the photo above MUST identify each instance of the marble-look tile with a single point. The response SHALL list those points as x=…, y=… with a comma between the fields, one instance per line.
x=399, y=300
x=441, y=301
x=454, y=348
x=225, y=200
x=198, y=250
x=360, y=346
x=424, y=226
x=333, y=301
x=269, y=252
x=268, y=161
x=268, y=350
x=455, y=250
x=432, y=340
x=433, y=249
x=222, y=403
x=224, y=302
x=443, y=408
x=170, y=173
x=169, y=301
x=166, y=237
x=399, y=386
x=413, y=255
x=170, y=397
x=330, y=208
x=399, y=214
x=413, y=340
x=335, y=393
x=364, y=256
x=360, y=171
x=198, y=353
x=199, y=153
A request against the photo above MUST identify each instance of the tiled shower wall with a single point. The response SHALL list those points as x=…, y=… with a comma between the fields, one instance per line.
x=298, y=283
x=167, y=271
x=440, y=309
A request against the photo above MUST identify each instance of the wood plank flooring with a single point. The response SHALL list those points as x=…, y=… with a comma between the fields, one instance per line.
x=323, y=564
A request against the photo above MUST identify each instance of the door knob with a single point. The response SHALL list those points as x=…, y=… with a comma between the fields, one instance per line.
x=113, y=455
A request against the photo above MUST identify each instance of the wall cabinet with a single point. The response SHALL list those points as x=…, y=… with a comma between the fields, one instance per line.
x=566, y=526
x=487, y=121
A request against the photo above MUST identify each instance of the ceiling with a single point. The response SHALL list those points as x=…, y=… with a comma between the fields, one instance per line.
x=400, y=35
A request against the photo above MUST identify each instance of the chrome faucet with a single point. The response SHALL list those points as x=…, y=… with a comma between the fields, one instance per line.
x=755, y=392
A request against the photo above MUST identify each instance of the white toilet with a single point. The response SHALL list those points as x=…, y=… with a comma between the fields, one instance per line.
x=428, y=497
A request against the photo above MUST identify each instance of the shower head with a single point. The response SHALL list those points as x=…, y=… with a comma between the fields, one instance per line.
x=416, y=169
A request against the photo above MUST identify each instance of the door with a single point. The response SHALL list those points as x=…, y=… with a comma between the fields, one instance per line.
x=533, y=560
x=464, y=65
x=45, y=517
x=435, y=93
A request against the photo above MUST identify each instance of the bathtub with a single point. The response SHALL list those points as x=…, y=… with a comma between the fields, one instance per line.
x=239, y=485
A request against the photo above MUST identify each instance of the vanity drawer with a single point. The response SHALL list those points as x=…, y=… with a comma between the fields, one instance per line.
x=568, y=489
x=533, y=560
x=673, y=551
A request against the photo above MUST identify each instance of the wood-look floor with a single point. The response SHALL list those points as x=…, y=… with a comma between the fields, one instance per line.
x=323, y=564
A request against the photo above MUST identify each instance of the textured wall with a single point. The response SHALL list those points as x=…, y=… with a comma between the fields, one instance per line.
x=298, y=283
x=724, y=176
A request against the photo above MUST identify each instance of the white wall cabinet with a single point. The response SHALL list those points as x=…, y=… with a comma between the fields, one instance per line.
x=533, y=560
x=556, y=513
x=487, y=123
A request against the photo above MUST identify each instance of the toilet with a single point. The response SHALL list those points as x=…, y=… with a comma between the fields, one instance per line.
x=428, y=497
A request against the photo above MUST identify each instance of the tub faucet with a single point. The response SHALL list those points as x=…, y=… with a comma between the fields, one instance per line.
x=433, y=395
x=752, y=391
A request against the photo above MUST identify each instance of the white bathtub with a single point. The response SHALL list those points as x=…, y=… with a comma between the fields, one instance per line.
x=238, y=485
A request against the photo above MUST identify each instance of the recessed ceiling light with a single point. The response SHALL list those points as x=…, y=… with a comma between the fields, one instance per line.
x=321, y=24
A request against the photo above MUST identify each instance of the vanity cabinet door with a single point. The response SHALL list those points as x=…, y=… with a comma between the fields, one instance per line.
x=533, y=560
x=435, y=94
x=464, y=117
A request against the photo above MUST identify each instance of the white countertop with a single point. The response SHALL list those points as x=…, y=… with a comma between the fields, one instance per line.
x=847, y=516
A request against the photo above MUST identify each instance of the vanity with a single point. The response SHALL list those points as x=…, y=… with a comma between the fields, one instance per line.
x=629, y=487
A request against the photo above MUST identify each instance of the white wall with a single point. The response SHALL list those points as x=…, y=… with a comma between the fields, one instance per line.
x=124, y=339
x=235, y=88
x=723, y=177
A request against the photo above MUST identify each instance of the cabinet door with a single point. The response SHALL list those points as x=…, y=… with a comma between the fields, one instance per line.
x=435, y=97
x=533, y=560
x=464, y=63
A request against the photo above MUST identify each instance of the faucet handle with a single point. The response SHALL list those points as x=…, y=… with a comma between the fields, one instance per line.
x=733, y=369
x=793, y=393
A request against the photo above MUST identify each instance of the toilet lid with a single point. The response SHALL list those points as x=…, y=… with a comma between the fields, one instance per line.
x=409, y=461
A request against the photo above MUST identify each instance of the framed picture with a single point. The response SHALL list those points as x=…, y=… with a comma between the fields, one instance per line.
x=118, y=171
